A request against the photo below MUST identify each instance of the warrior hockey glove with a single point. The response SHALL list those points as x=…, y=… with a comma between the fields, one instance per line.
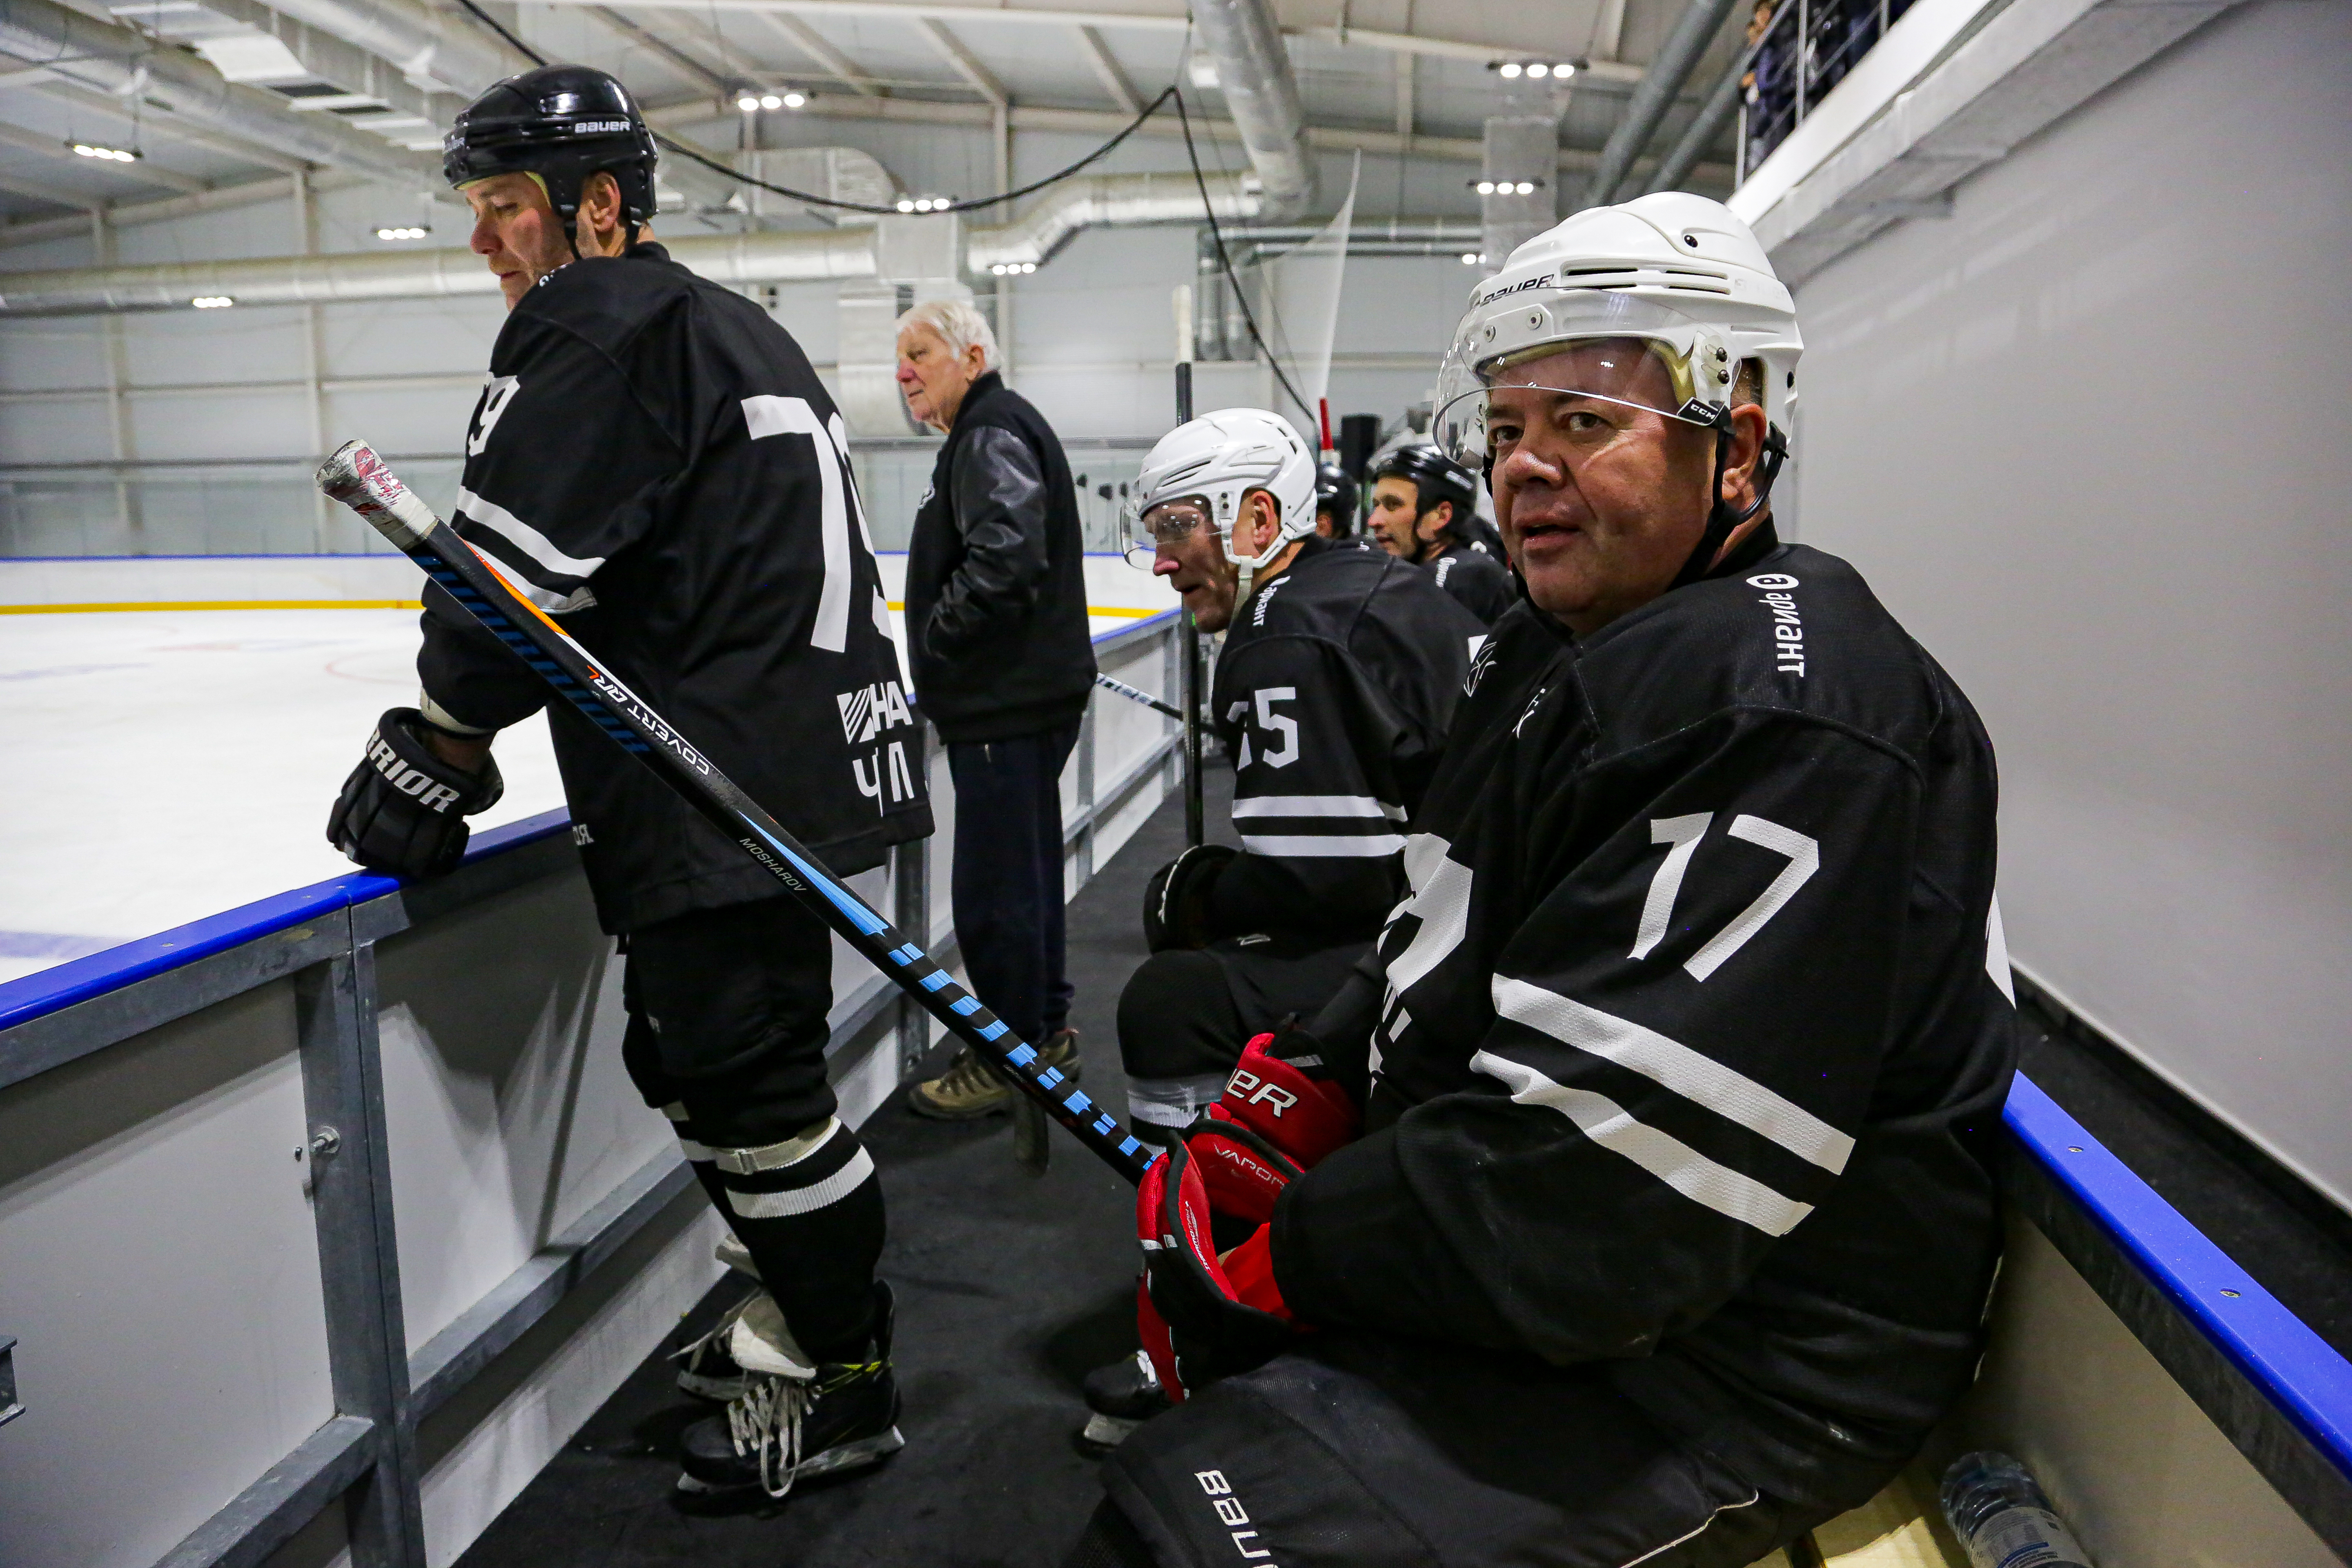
x=1176, y=899
x=404, y=810
x=1282, y=1091
x=1200, y=1319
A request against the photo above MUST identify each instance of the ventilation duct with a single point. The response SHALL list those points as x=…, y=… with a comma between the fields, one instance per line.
x=102, y=58
x=912, y=250
x=1654, y=94
x=1519, y=177
x=1110, y=201
x=1253, y=71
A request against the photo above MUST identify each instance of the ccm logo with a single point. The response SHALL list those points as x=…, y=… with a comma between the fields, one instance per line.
x=407, y=780
x=1251, y=1089
x=1230, y=1513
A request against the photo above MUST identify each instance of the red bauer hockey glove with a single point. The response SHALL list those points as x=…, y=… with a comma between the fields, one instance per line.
x=1281, y=1091
x=1200, y=1319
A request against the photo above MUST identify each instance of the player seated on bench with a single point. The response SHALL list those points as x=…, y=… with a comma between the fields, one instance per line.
x=1340, y=671
x=1631, y=1202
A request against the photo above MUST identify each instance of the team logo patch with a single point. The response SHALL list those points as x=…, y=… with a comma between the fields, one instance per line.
x=868, y=710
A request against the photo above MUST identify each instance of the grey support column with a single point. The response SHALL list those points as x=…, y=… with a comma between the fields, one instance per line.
x=359, y=1261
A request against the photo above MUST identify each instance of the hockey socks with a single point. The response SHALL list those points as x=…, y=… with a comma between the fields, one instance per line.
x=809, y=1210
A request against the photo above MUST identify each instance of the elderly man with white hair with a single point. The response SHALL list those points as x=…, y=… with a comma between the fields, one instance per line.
x=999, y=647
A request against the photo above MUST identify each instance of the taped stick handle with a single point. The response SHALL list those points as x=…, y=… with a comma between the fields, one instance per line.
x=361, y=479
x=1133, y=694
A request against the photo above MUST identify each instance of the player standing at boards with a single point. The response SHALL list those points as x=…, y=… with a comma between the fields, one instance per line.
x=1670, y=1227
x=654, y=462
x=1340, y=671
x=1426, y=511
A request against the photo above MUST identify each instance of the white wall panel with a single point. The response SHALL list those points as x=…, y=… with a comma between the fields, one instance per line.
x=160, y=1271
x=509, y=1111
x=2084, y=439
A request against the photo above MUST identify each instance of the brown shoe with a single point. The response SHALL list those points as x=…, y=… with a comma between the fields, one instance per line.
x=971, y=1088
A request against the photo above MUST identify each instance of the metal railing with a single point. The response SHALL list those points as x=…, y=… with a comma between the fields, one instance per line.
x=1805, y=50
x=322, y=942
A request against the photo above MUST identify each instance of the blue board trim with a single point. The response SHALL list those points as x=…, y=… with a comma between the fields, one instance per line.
x=2292, y=1367
x=62, y=986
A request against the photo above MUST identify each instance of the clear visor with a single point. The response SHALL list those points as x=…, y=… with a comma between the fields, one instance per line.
x=1144, y=529
x=1584, y=391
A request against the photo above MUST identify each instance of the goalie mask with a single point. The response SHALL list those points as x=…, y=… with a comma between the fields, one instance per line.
x=1198, y=475
x=558, y=124
x=1594, y=310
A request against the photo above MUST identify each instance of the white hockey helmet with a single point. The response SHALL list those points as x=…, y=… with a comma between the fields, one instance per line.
x=1212, y=463
x=1675, y=272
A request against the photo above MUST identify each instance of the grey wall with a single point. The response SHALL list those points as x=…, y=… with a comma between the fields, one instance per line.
x=2086, y=440
x=1090, y=340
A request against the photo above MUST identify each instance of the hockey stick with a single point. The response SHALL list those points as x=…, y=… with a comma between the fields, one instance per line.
x=356, y=476
x=1132, y=695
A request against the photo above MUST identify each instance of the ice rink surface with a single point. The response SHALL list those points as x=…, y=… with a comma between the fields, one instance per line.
x=165, y=764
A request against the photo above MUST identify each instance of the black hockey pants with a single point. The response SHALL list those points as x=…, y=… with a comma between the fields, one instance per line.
x=1185, y=1014
x=726, y=1036
x=1366, y=1451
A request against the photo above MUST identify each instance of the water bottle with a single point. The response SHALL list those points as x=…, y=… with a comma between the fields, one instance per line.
x=2002, y=1517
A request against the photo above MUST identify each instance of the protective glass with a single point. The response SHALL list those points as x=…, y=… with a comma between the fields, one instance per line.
x=1583, y=394
x=1607, y=349
x=1144, y=529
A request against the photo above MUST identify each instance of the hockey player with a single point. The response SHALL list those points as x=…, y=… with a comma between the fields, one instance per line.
x=1339, y=670
x=1335, y=501
x=654, y=463
x=1426, y=509
x=1670, y=1227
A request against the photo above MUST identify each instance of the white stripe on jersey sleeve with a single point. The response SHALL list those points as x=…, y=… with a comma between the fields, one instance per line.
x=1441, y=901
x=526, y=539
x=1669, y=1158
x=1698, y=1079
x=1315, y=806
x=547, y=599
x=1320, y=845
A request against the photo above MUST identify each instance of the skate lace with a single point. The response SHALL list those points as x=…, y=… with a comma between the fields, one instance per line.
x=766, y=1422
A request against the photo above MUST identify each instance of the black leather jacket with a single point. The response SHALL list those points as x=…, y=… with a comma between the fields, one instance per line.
x=996, y=595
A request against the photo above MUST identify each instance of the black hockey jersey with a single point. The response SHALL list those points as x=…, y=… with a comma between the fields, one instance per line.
x=1692, y=1042
x=1332, y=695
x=654, y=462
x=1478, y=581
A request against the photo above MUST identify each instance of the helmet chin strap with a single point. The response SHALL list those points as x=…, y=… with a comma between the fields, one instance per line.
x=1722, y=522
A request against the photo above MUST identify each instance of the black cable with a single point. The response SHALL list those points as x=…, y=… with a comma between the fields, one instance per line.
x=492, y=23
x=1224, y=261
x=977, y=202
x=810, y=197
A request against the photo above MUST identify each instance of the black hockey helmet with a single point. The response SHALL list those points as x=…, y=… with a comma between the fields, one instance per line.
x=562, y=123
x=1435, y=478
x=1335, y=492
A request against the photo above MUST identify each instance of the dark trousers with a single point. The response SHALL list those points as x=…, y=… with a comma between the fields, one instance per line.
x=1006, y=889
x=726, y=1036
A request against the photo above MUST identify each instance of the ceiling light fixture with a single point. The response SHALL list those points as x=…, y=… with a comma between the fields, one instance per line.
x=771, y=101
x=1539, y=70
x=400, y=231
x=748, y=102
x=211, y=302
x=1472, y=258
x=905, y=204
x=1485, y=187
x=110, y=155
x=795, y=99
x=1511, y=69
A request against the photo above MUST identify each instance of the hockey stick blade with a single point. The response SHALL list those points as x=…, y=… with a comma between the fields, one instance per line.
x=360, y=479
x=1132, y=695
